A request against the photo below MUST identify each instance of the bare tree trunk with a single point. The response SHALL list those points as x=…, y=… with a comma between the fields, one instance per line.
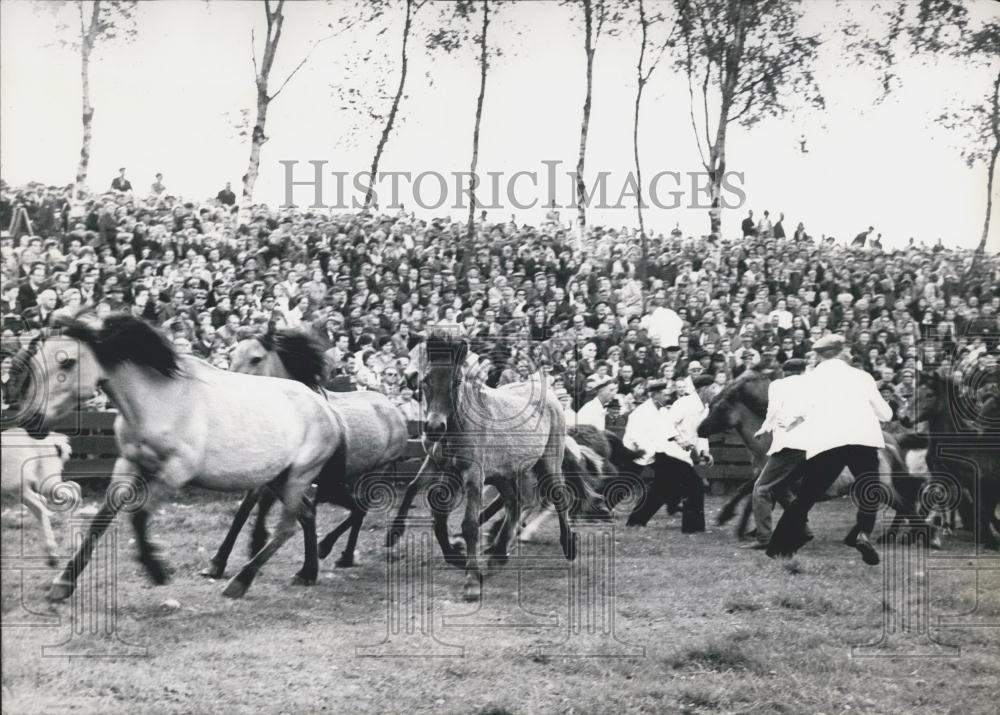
x=991, y=169
x=257, y=140
x=483, y=67
x=734, y=56
x=588, y=46
x=258, y=137
x=640, y=85
x=391, y=119
x=86, y=47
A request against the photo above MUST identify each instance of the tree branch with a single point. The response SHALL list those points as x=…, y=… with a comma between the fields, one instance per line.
x=300, y=64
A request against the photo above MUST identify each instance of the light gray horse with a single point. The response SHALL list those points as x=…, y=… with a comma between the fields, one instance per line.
x=182, y=421
x=477, y=435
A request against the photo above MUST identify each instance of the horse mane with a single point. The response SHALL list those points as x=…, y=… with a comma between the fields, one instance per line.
x=734, y=387
x=300, y=353
x=122, y=338
x=442, y=345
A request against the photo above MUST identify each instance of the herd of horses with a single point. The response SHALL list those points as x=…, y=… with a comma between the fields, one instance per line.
x=268, y=428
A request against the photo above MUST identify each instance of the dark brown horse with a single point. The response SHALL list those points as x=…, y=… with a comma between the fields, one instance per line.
x=963, y=430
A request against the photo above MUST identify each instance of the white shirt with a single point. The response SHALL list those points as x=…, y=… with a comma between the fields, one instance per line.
x=787, y=400
x=844, y=407
x=664, y=323
x=651, y=430
x=594, y=414
x=687, y=413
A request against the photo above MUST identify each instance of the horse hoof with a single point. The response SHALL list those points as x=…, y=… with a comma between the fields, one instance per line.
x=324, y=549
x=60, y=590
x=472, y=591
x=52, y=562
x=497, y=562
x=234, y=589
x=213, y=571
x=157, y=573
x=301, y=580
x=570, y=546
x=458, y=546
x=344, y=562
x=936, y=543
x=455, y=559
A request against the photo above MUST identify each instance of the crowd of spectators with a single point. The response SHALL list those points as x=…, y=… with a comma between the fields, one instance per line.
x=534, y=300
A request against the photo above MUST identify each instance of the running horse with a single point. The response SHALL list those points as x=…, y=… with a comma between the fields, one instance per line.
x=478, y=435
x=183, y=422
x=962, y=430
x=375, y=439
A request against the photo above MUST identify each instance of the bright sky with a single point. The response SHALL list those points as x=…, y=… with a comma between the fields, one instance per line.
x=166, y=102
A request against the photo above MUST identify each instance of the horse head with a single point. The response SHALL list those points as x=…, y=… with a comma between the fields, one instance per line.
x=443, y=375
x=78, y=354
x=285, y=352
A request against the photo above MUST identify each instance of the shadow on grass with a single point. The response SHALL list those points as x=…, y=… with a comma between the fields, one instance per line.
x=719, y=654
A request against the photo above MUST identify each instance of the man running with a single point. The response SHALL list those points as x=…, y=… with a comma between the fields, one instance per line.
x=786, y=402
x=842, y=430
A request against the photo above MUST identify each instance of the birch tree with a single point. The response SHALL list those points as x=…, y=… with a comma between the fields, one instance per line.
x=274, y=16
x=932, y=29
x=650, y=54
x=468, y=23
x=598, y=15
x=97, y=23
x=744, y=60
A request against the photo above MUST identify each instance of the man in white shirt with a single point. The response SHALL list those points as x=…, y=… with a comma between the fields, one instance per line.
x=594, y=413
x=652, y=430
x=664, y=324
x=785, y=403
x=842, y=430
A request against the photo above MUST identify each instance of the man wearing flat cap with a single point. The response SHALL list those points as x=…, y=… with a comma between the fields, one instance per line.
x=652, y=430
x=842, y=414
x=594, y=413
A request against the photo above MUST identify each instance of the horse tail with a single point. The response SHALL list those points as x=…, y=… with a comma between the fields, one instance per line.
x=582, y=474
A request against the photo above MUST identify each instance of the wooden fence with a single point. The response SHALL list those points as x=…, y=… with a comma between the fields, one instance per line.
x=94, y=450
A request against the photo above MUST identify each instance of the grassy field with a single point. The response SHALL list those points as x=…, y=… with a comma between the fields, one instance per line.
x=722, y=631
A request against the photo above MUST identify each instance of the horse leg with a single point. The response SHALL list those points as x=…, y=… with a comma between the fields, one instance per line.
x=452, y=551
x=155, y=568
x=65, y=583
x=470, y=532
x=499, y=546
x=292, y=504
x=310, y=565
x=398, y=524
x=560, y=500
x=31, y=499
x=490, y=511
x=356, y=519
x=267, y=497
x=217, y=565
x=327, y=542
x=728, y=510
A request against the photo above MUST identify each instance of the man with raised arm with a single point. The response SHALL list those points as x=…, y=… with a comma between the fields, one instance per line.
x=786, y=404
x=842, y=430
